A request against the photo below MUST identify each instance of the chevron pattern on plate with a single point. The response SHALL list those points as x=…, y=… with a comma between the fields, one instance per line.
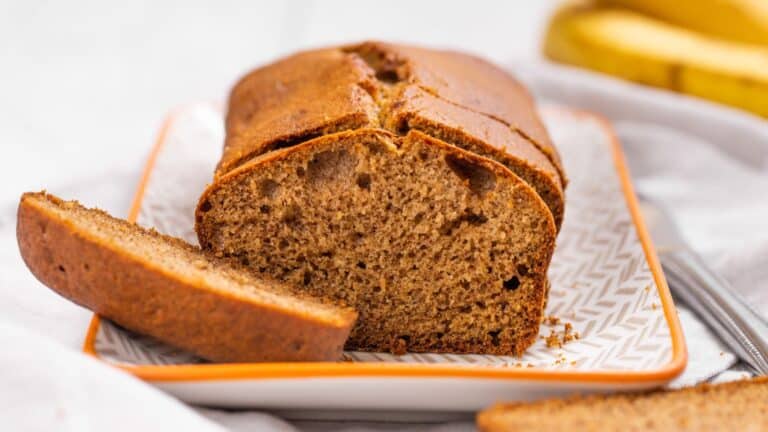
x=601, y=282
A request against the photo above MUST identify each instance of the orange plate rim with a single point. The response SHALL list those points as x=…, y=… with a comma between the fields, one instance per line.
x=260, y=371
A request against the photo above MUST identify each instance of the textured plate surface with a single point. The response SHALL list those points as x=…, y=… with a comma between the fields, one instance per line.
x=602, y=284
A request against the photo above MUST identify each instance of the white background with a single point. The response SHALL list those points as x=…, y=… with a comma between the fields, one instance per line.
x=85, y=84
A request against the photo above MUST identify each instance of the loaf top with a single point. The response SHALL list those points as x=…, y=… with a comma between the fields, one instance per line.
x=295, y=99
x=314, y=93
x=468, y=81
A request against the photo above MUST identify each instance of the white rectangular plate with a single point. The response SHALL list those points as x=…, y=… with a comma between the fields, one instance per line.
x=606, y=283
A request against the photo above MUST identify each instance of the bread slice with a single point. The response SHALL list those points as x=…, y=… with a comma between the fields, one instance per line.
x=411, y=107
x=168, y=289
x=734, y=406
x=300, y=97
x=437, y=248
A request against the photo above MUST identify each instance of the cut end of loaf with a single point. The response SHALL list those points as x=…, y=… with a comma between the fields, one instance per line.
x=438, y=249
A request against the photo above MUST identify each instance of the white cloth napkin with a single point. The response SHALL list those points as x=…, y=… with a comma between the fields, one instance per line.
x=707, y=163
x=46, y=386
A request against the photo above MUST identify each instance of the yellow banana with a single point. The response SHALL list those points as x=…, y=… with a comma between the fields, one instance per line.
x=641, y=49
x=738, y=20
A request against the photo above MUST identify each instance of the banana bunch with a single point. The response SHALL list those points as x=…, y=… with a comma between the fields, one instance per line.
x=714, y=49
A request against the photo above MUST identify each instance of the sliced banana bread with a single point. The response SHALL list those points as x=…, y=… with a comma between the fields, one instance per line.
x=367, y=174
x=437, y=248
x=168, y=289
x=735, y=406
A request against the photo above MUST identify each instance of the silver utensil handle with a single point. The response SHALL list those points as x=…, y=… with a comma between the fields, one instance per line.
x=738, y=325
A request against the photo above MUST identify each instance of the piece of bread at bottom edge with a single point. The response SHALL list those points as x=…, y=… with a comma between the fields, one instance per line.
x=163, y=287
x=736, y=406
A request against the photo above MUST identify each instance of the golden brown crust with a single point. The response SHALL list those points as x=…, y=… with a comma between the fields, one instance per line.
x=148, y=298
x=448, y=103
x=728, y=406
x=470, y=82
x=295, y=99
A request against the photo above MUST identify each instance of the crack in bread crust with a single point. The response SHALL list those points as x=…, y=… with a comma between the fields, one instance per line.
x=414, y=109
x=415, y=65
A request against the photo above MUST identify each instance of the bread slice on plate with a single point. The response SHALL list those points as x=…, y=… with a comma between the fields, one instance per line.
x=163, y=287
x=438, y=249
x=734, y=406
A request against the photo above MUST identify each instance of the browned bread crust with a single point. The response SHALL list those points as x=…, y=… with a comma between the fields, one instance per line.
x=165, y=288
x=734, y=406
x=295, y=99
x=455, y=97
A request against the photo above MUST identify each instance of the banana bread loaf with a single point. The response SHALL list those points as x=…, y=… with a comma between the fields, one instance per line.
x=418, y=187
x=166, y=288
x=734, y=406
